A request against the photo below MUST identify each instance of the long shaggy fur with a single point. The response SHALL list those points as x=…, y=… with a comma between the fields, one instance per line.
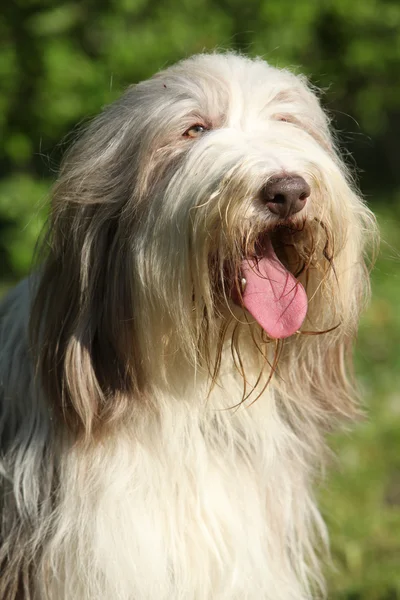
x=155, y=443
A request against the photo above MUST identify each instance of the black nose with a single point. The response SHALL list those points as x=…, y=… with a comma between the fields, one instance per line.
x=285, y=195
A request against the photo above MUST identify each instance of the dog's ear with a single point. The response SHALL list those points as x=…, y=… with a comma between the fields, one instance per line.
x=82, y=322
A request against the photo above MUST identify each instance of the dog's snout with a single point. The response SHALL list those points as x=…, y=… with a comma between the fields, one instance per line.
x=285, y=195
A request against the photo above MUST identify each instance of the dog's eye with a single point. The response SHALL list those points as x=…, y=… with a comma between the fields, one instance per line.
x=285, y=118
x=195, y=131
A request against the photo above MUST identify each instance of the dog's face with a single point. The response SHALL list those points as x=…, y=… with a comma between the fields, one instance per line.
x=208, y=195
x=234, y=154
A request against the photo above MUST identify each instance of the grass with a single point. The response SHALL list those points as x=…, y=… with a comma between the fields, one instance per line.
x=361, y=500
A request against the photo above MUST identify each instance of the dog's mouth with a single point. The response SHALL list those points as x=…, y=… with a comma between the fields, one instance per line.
x=267, y=289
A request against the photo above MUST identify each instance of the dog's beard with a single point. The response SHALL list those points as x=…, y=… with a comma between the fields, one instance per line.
x=275, y=267
x=302, y=253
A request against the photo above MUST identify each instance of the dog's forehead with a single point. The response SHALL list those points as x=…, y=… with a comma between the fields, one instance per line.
x=233, y=75
x=222, y=84
x=224, y=90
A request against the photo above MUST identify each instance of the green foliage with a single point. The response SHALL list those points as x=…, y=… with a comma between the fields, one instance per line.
x=61, y=62
x=23, y=204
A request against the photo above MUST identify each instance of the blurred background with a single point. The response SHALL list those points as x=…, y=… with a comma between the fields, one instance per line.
x=61, y=62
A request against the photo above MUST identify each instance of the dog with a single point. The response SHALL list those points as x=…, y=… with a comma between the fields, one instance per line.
x=170, y=370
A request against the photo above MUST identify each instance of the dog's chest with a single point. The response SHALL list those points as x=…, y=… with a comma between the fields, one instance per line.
x=193, y=509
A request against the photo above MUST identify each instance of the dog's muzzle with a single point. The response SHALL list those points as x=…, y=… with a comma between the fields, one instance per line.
x=267, y=289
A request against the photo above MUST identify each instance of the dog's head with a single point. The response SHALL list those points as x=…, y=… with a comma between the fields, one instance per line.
x=206, y=206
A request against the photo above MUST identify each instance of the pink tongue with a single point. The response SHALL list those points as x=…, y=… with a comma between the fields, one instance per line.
x=273, y=296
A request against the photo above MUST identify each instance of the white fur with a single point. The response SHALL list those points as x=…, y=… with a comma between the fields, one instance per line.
x=167, y=486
